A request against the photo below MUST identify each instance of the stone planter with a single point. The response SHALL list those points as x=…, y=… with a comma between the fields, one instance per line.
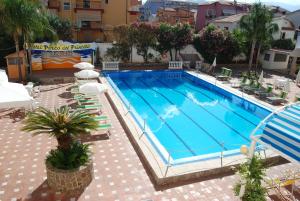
x=70, y=180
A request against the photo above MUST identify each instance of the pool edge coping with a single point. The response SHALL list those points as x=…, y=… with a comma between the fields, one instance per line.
x=161, y=172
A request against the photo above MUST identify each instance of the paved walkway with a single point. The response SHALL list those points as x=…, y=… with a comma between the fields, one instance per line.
x=119, y=174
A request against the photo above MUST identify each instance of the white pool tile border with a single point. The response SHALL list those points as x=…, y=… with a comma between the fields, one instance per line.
x=157, y=165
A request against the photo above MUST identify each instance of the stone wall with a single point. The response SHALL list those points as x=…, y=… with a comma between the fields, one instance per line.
x=70, y=180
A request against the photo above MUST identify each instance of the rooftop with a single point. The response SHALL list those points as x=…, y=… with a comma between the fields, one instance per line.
x=230, y=19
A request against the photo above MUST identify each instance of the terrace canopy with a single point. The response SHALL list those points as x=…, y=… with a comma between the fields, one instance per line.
x=15, y=95
x=281, y=132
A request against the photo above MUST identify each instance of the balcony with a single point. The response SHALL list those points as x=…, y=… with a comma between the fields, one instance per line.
x=53, y=4
x=88, y=5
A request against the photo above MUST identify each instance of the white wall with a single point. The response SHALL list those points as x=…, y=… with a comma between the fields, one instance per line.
x=230, y=26
x=137, y=58
x=271, y=64
x=282, y=22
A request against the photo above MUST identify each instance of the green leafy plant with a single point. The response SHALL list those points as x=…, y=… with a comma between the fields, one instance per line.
x=76, y=156
x=286, y=44
x=64, y=125
x=258, y=28
x=251, y=174
x=24, y=19
x=212, y=41
x=145, y=38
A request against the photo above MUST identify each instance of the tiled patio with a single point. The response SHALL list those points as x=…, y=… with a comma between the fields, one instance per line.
x=119, y=173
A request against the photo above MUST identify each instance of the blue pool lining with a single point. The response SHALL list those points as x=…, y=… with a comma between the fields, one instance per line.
x=198, y=91
x=164, y=154
x=227, y=93
x=170, y=127
x=159, y=148
x=190, y=118
x=237, y=132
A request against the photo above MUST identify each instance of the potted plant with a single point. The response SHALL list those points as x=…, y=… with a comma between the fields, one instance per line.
x=252, y=173
x=69, y=166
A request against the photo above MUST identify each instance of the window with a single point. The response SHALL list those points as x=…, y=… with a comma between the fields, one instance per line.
x=280, y=57
x=85, y=24
x=210, y=13
x=225, y=28
x=106, y=1
x=282, y=35
x=67, y=6
x=14, y=61
x=267, y=57
x=86, y=3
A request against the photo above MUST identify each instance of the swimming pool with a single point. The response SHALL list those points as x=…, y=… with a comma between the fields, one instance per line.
x=186, y=117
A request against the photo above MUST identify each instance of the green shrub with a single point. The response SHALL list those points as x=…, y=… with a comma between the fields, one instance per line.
x=286, y=44
x=72, y=158
x=211, y=42
x=252, y=173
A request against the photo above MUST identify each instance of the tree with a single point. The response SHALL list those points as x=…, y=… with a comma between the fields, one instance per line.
x=125, y=39
x=257, y=27
x=65, y=126
x=165, y=38
x=251, y=174
x=23, y=19
x=145, y=38
x=173, y=37
x=62, y=27
x=183, y=36
x=211, y=42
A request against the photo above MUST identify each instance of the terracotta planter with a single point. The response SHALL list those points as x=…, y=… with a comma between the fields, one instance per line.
x=70, y=180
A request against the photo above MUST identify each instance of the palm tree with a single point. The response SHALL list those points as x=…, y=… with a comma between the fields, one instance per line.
x=257, y=27
x=23, y=19
x=265, y=36
x=61, y=123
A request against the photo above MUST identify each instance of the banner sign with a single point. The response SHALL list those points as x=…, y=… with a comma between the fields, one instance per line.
x=60, y=55
x=62, y=46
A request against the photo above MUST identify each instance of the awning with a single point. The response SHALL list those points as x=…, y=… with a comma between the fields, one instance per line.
x=282, y=132
x=15, y=95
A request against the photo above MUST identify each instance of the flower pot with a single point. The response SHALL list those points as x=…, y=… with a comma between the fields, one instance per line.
x=75, y=180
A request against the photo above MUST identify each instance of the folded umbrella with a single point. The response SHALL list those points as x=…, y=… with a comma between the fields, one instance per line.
x=87, y=74
x=84, y=66
x=92, y=88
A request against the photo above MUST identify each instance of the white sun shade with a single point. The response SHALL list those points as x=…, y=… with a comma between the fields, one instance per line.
x=93, y=88
x=84, y=66
x=87, y=74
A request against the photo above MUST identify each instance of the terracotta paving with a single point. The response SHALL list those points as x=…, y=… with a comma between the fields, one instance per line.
x=119, y=173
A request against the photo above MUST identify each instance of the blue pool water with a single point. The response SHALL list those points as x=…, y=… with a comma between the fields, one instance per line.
x=188, y=116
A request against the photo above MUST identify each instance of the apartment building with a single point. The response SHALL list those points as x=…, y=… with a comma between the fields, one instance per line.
x=93, y=20
x=150, y=7
x=175, y=15
x=209, y=11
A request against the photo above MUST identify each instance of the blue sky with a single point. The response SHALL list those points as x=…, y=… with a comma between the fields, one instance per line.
x=287, y=4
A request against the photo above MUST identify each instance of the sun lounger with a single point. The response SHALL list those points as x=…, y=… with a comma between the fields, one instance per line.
x=225, y=74
x=274, y=100
x=263, y=93
x=101, y=118
x=90, y=107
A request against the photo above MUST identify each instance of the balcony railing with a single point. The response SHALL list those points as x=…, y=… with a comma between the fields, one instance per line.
x=53, y=4
x=88, y=5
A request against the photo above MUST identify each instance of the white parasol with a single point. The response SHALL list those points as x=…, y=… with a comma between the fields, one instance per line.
x=92, y=88
x=84, y=66
x=87, y=74
x=261, y=77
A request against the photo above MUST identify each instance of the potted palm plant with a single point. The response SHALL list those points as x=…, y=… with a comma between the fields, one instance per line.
x=69, y=167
